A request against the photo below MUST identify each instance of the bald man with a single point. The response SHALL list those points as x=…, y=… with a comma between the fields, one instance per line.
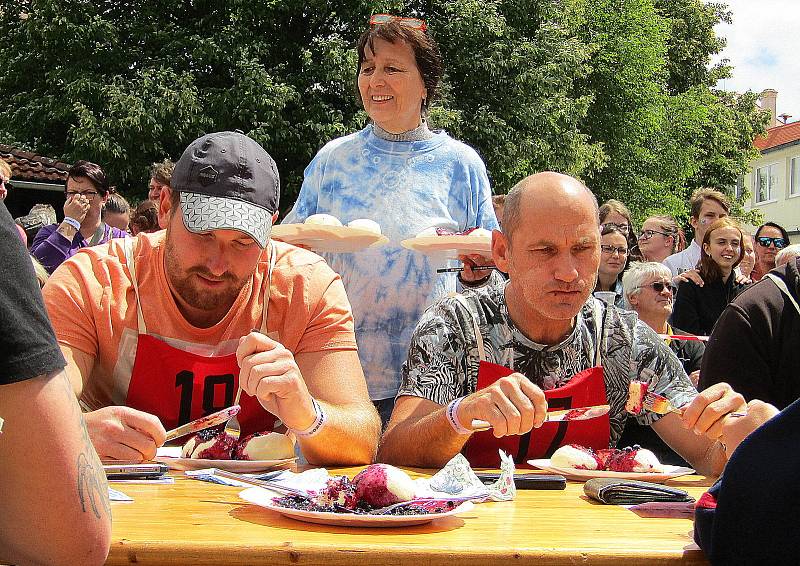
x=508, y=352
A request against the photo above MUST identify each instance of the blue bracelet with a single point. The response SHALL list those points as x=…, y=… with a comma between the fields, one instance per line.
x=72, y=222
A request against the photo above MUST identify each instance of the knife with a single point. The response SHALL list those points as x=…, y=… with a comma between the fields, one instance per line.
x=578, y=414
x=208, y=421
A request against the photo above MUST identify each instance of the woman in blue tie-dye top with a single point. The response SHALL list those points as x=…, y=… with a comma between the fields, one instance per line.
x=405, y=177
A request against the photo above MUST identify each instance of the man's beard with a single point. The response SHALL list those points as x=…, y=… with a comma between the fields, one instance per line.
x=208, y=300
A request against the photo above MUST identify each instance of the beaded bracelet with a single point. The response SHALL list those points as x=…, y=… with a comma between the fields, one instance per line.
x=72, y=222
x=316, y=426
x=452, y=417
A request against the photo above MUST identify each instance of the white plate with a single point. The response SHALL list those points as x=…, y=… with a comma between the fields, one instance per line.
x=582, y=475
x=323, y=238
x=454, y=245
x=263, y=498
x=168, y=456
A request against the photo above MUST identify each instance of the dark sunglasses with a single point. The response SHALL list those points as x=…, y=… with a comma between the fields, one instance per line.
x=765, y=241
x=414, y=23
x=659, y=286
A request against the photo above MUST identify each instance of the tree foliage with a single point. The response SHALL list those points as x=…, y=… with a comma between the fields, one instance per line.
x=618, y=92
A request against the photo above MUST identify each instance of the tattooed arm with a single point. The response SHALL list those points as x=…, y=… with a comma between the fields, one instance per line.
x=53, y=490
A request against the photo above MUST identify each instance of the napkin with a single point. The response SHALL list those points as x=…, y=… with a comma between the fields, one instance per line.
x=630, y=492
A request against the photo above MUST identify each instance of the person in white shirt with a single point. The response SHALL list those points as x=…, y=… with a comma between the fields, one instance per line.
x=707, y=206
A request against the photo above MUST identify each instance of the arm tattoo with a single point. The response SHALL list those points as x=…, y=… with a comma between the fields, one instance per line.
x=92, y=485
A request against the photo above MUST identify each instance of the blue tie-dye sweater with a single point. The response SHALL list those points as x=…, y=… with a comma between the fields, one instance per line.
x=405, y=187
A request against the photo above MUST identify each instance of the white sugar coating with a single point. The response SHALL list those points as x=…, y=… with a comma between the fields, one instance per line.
x=480, y=233
x=428, y=232
x=646, y=461
x=399, y=483
x=271, y=446
x=570, y=457
x=325, y=219
x=365, y=224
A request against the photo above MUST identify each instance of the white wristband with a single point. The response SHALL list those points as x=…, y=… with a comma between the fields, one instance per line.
x=452, y=417
x=72, y=222
x=316, y=426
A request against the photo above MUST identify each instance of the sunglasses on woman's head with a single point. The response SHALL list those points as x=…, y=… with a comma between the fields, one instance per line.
x=414, y=23
x=659, y=286
x=621, y=227
x=765, y=241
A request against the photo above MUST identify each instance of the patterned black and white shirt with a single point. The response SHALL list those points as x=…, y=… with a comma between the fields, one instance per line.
x=443, y=357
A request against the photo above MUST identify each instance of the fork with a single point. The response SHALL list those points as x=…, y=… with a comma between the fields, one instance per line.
x=389, y=508
x=232, y=427
x=273, y=485
x=660, y=405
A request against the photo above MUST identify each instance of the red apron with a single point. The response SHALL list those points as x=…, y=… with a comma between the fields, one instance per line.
x=179, y=386
x=586, y=388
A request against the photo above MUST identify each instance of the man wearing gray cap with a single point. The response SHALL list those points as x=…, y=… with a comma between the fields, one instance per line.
x=165, y=328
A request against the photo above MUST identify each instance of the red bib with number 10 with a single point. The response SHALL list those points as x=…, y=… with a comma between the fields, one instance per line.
x=178, y=386
x=585, y=389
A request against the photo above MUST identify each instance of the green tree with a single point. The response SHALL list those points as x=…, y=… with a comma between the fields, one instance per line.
x=616, y=92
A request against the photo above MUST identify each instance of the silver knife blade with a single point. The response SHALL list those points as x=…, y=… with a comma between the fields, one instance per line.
x=578, y=414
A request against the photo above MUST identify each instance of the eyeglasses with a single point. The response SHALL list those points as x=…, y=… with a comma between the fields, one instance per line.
x=647, y=234
x=610, y=250
x=765, y=241
x=88, y=194
x=624, y=228
x=414, y=23
x=659, y=286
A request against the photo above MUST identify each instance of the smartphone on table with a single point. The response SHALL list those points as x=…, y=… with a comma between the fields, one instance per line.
x=528, y=481
x=134, y=471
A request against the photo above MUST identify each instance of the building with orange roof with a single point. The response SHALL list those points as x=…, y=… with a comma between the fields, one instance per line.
x=774, y=177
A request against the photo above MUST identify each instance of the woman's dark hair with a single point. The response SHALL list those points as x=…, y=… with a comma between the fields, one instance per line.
x=426, y=54
x=784, y=233
x=93, y=172
x=606, y=229
x=709, y=270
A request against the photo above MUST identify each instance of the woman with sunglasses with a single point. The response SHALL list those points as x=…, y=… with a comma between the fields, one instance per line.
x=613, y=259
x=770, y=238
x=697, y=308
x=660, y=238
x=405, y=176
x=649, y=292
x=87, y=191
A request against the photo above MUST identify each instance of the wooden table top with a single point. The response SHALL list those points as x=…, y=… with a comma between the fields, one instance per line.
x=194, y=522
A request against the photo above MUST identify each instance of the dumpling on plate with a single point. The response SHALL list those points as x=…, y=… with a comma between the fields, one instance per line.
x=365, y=224
x=323, y=219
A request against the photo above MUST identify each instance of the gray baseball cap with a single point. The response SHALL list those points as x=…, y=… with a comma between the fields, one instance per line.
x=227, y=181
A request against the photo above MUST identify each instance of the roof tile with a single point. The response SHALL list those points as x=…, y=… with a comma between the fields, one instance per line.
x=29, y=166
x=779, y=135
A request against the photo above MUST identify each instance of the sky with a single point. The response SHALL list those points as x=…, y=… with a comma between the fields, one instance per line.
x=764, y=50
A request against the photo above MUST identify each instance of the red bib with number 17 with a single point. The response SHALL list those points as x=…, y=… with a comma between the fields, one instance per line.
x=585, y=389
x=178, y=386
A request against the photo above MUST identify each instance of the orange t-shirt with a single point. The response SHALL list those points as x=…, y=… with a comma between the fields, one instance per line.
x=91, y=301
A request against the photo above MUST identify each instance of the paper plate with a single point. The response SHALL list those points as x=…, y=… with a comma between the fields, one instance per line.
x=583, y=475
x=323, y=238
x=263, y=498
x=171, y=457
x=450, y=245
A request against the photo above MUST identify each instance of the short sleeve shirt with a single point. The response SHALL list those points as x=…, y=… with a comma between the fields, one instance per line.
x=28, y=346
x=443, y=359
x=92, y=303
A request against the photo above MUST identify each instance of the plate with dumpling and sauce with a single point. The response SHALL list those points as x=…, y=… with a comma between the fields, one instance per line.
x=438, y=241
x=579, y=463
x=213, y=448
x=325, y=233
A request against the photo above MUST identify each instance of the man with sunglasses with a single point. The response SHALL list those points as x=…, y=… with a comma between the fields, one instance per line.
x=707, y=206
x=770, y=238
x=86, y=192
x=507, y=354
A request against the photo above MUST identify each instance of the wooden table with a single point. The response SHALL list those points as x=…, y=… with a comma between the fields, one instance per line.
x=193, y=522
